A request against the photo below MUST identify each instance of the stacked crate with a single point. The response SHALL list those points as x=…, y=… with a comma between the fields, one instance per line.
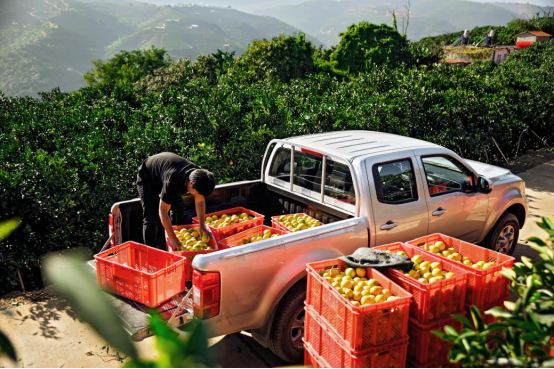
x=339, y=334
x=431, y=308
x=485, y=288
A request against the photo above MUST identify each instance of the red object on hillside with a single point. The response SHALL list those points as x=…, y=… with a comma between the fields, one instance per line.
x=523, y=44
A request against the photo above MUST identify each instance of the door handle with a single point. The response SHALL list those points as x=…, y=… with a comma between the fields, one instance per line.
x=388, y=225
x=438, y=212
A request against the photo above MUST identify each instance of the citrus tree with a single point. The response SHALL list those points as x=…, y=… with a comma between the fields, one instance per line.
x=364, y=45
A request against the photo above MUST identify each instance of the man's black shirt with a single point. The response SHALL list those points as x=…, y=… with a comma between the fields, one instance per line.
x=167, y=173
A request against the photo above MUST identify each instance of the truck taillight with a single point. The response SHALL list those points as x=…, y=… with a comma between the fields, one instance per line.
x=206, y=295
x=110, y=227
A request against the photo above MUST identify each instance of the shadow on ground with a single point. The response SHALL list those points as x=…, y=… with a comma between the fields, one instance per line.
x=46, y=314
x=242, y=348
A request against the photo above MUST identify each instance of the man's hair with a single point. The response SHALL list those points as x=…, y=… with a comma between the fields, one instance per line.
x=203, y=181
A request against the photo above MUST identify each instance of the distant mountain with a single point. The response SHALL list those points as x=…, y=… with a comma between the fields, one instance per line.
x=49, y=43
x=325, y=19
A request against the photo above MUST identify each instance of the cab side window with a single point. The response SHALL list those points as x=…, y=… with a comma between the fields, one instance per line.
x=395, y=182
x=445, y=175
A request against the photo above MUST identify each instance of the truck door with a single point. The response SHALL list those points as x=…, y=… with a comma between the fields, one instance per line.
x=397, y=198
x=455, y=207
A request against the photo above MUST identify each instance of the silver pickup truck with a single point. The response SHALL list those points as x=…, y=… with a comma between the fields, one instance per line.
x=368, y=188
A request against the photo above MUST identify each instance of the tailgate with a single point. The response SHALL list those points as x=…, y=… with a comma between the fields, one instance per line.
x=135, y=315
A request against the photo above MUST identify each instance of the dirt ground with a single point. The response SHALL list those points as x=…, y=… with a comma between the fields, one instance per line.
x=529, y=160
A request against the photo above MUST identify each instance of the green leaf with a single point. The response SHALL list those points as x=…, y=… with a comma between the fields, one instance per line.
x=498, y=312
x=548, y=222
x=450, y=331
x=536, y=240
x=509, y=305
x=76, y=284
x=465, y=321
x=6, y=347
x=8, y=227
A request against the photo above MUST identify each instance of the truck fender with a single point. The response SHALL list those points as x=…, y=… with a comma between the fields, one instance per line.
x=261, y=335
x=512, y=201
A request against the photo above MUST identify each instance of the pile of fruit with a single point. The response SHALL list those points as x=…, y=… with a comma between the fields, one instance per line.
x=192, y=240
x=355, y=287
x=440, y=248
x=260, y=236
x=298, y=222
x=425, y=271
x=227, y=219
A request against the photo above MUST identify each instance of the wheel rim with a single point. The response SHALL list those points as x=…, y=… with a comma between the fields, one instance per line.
x=297, y=329
x=505, y=239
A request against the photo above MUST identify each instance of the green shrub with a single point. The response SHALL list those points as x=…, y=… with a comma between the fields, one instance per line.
x=365, y=45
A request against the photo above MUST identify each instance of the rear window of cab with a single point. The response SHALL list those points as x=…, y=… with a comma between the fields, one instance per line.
x=307, y=173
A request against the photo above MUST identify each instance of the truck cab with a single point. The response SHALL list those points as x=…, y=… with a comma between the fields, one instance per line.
x=368, y=188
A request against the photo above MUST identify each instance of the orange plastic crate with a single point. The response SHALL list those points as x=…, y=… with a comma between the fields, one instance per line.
x=275, y=223
x=189, y=255
x=435, y=300
x=236, y=240
x=313, y=360
x=222, y=233
x=424, y=346
x=484, y=287
x=329, y=350
x=359, y=327
x=141, y=273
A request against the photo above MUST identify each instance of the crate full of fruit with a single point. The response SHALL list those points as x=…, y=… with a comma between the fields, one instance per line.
x=438, y=287
x=357, y=303
x=294, y=222
x=226, y=223
x=193, y=242
x=252, y=235
x=485, y=285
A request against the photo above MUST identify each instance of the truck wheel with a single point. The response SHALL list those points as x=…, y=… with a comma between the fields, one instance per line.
x=288, y=327
x=505, y=234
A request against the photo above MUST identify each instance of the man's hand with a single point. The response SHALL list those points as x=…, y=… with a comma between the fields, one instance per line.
x=174, y=243
x=205, y=230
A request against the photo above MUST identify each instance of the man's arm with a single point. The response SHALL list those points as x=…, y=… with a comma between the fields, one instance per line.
x=166, y=222
x=200, y=204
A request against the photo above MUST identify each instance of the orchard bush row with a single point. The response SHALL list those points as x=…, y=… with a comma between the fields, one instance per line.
x=65, y=158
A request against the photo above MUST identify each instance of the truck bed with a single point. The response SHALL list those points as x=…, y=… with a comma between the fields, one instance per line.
x=253, y=195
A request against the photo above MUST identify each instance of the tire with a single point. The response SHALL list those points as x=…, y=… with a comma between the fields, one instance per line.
x=505, y=234
x=288, y=327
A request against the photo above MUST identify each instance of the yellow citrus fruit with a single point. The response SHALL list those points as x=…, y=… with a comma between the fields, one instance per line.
x=376, y=290
x=334, y=272
x=350, y=272
x=417, y=259
x=367, y=300
x=360, y=272
x=380, y=298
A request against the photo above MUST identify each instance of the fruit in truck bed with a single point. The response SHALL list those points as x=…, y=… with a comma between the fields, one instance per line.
x=192, y=240
x=266, y=234
x=227, y=219
x=298, y=222
x=453, y=255
x=358, y=290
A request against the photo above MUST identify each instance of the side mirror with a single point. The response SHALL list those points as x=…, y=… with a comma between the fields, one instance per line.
x=484, y=185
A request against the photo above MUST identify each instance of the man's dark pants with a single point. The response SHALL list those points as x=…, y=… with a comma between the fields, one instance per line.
x=152, y=229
